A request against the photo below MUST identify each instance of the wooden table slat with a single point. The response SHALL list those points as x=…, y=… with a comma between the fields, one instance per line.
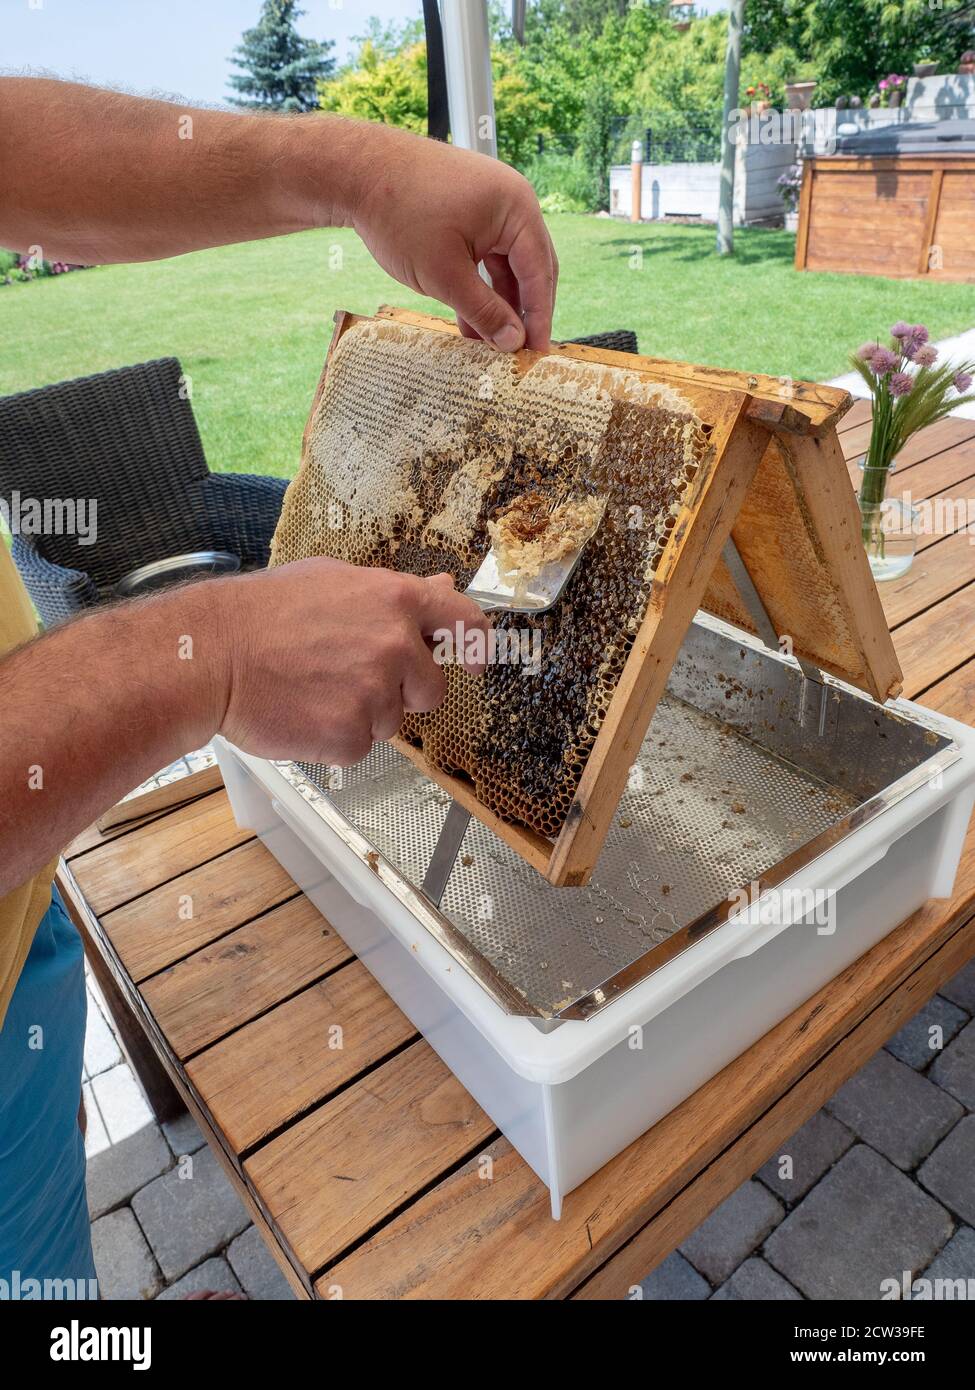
x=929, y=646
x=279, y=1066
x=938, y=571
x=225, y=985
x=189, y=911
x=117, y=871
x=340, y=1171
x=955, y=695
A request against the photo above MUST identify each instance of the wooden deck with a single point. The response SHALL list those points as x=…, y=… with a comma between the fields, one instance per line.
x=361, y=1165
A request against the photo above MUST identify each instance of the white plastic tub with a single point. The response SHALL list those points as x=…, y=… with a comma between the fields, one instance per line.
x=570, y=1092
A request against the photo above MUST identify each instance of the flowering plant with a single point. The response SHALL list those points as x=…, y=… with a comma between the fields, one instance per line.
x=893, y=82
x=789, y=185
x=909, y=391
x=759, y=91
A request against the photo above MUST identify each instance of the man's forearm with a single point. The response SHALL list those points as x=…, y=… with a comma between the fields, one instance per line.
x=95, y=176
x=90, y=710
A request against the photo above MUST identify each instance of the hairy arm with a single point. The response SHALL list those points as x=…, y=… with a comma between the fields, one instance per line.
x=94, y=176
x=91, y=710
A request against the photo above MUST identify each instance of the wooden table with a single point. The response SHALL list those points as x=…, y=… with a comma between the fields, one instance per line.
x=362, y=1164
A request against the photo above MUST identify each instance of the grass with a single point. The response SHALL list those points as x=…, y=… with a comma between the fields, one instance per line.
x=251, y=323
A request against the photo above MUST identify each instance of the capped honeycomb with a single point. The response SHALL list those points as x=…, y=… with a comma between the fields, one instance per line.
x=419, y=440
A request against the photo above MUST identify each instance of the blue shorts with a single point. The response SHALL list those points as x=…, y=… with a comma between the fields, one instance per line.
x=44, y=1226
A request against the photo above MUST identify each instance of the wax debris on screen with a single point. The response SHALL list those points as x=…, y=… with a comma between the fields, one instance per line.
x=419, y=440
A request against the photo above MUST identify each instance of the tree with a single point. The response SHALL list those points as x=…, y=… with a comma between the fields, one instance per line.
x=596, y=138
x=280, y=70
x=389, y=84
x=382, y=86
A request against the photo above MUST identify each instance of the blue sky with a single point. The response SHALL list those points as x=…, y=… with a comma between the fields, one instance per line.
x=172, y=46
x=176, y=46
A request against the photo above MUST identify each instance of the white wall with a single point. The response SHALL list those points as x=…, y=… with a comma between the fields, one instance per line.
x=667, y=190
x=676, y=189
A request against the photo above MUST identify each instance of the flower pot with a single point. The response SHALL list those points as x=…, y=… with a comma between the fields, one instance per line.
x=895, y=98
x=925, y=69
x=888, y=526
x=798, y=95
x=759, y=106
x=966, y=69
x=792, y=220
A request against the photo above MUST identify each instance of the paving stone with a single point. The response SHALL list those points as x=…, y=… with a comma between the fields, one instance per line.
x=188, y=1218
x=96, y=1135
x=675, y=1280
x=957, y=1260
x=913, y=1043
x=955, y=1068
x=101, y=1049
x=950, y=1171
x=256, y=1268
x=754, y=1282
x=124, y=1108
x=899, y=1112
x=183, y=1135
x=122, y=1169
x=960, y=989
x=864, y=1222
x=812, y=1149
x=123, y=1260
x=213, y=1276
x=732, y=1231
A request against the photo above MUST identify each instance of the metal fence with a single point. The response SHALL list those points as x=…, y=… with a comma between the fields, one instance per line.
x=666, y=137
x=670, y=137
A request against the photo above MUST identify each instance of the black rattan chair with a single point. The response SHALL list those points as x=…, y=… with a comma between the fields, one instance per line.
x=618, y=340
x=127, y=440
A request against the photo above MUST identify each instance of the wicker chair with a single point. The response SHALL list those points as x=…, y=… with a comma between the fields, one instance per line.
x=126, y=439
x=617, y=339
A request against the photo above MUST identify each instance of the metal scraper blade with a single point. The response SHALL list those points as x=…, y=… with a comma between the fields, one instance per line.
x=491, y=591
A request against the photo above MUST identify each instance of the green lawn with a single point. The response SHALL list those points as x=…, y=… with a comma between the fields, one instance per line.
x=251, y=323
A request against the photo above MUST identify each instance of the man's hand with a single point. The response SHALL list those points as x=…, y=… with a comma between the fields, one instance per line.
x=429, y=213
x=325, y=657
x=169, y=179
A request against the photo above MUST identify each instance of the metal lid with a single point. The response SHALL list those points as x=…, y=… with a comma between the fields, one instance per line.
x=174, y=569
x=912, y=137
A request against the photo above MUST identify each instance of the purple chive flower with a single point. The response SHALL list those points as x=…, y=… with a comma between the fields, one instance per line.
x=962, y=382
x=866, y=351
x=901, y=384
x=926, y=356
x=901, y=329
x=883, y=361
x=920, y=334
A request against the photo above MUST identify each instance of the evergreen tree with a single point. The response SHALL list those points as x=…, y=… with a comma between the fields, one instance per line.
x=280, y=69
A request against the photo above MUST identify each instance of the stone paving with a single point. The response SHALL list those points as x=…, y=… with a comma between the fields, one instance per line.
x=879, y=1182
x=166, y=1222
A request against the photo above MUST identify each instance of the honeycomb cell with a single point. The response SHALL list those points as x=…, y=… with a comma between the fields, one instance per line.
x=419, y=439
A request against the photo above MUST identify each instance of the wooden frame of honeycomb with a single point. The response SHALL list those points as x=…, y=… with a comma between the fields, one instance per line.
x=415, y=439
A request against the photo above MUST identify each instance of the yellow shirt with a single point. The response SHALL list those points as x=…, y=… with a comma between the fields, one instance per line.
x=21, y=910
